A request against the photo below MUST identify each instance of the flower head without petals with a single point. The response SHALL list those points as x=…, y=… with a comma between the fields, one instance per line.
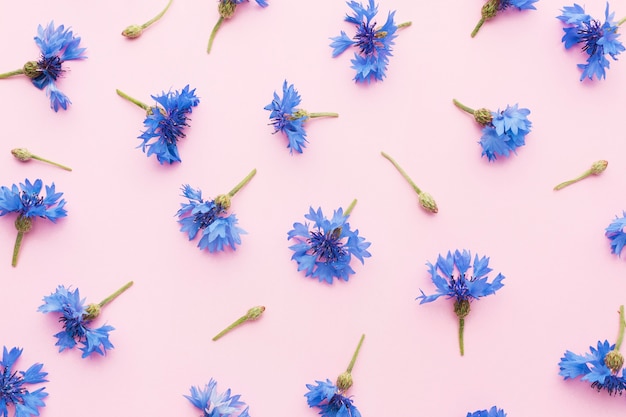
x=328, y=398
x=615, y=233
x=165, y=123
x=598, y=39
x=324, y=249
x=14, y=386
x=76, y=323
x=492, y=412
x=215, y=404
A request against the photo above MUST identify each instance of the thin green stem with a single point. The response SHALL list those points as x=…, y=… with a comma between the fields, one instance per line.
x=12, y=73
x=157, y=17
x=575, y=180
x=213, y=33
x=354, y=356
x=323, y=114
x=16, y=247
x=132, y=100
x=38, y=158
x=350, y=207
x=463, y=106
x=243, y=182
x=621, y=21
x=478, y=26
x=115, y=294
x=461, y=329
x=404, y=25
x=622, y=325
x=236, y=323
x=404, y=174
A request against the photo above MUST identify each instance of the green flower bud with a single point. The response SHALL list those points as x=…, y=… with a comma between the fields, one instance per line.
x=22, y=154
x=344, y=381
x=428, y=202
x=483, y=116
x=31, y=69
x=462, y=308
x=132, y=32
x=227, y=9
x=614, y=360
x=255, y=312
x=490, y=9
x=599, y=166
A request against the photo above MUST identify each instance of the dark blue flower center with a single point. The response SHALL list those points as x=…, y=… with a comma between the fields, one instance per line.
x=365, y=38
x=337, y=401
x=327, y=246
x=458, y=286
x=590, y=33
x=204, y=220
x=612, y=383
x=171, y=125
x=30, y=200
x=504, y=4
x=50, y=68
x=73, y=326
x=11, y=389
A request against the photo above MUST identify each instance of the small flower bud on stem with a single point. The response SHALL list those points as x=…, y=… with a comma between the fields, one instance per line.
x=132, y=100
x=134, y=31
x=344, y=381
x=252, y=314
x=426, y=200
x=482, y=116
x=614, y=359
x=23, y=225
x=24, y=155
x=596, y=168
x=488, y=11
x=93, y=310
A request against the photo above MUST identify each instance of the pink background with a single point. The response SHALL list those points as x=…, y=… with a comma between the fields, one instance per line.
x=562, y=290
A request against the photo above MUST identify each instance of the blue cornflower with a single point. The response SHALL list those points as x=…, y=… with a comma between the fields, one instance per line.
x=598, y=39
x=492, y=7
x=226, y=8
x=76, y=319
x=461, y=285
x=326, y=251
x=492, y=412
x=615, y=232
x=289, y=119
x=218, y=230
x=57, y=45
x=165, y=122
x=13, y=386
x=216, y=404
x=374, y=42
x=330, y=398
x=28, y=204
x=503, y=131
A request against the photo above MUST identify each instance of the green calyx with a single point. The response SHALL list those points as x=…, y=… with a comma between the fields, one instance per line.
x=91, y=312
x=483, y=116
x=227, y=9
x=23, y=224
x=31, y=69
x=344, y=381
x=462, y=308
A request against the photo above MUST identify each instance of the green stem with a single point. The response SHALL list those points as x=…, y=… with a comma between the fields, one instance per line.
x=242, y=183
x=478, y=26
x=12, y=73
x=213, y=33
x=354, y=356
x=621, y=21
x=404, y=174
x=157, y=17
x=461, y=328
x=350, y=207
x=404, y=25
x=323, y=114
x=622, y=325
x=132, y=100
x=570, y=182
x=463, y=107
x=38, y=158
x=115, y=294
x=16, y=247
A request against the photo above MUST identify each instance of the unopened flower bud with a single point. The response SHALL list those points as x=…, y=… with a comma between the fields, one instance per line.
x=31, y=69
x=462, y=308
x=227, y=9
x=91, y=312
x=483, y=116
x=599, y=166
x=344, y=381
x=428, y=202
x=133, y=31
x=255, y=312
x=614, y=360
x=489, y=9
x=22, y=154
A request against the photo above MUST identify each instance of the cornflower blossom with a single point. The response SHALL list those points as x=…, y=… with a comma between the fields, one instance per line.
x=287, y=118
x=615, y=233
x=165, y=122
x=217, y=404
x=324, y=249
x=374, y=42
x=493, y=7
x=329, y=398
x=218, y=230
x=14, y=386
x=601, y=366
x=226, y=9
x=503, y=131
x=492, y=412
x=57, y=45
x=598, y=39
x=77, y=318
x=28, y=204
x=458, y=283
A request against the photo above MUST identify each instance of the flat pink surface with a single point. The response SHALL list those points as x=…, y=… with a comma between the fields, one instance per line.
x=562, y=290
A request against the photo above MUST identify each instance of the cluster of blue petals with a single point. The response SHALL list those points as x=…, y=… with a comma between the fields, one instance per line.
x=591, y=367
x=285, y=118
x=374, y=43
x=165, y=123
x=518, y=4
x=506, y=132
x=219, y=231
x=13, y=386
x=57, y=45
x=215, y=404
x=75, y=326
x=492, y=412
x=261, y=3
x=26, y=201
x=598, y=39
x=326, y=396
x=456, y=282
x=615, y=232
x=325, y=251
